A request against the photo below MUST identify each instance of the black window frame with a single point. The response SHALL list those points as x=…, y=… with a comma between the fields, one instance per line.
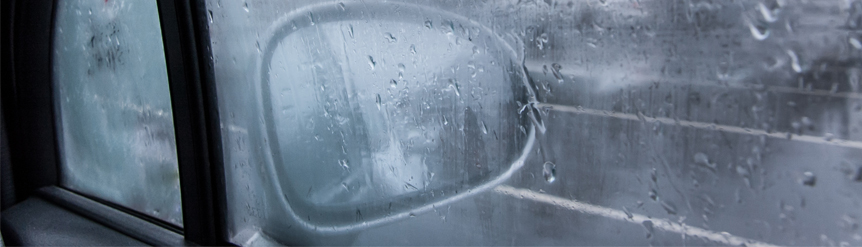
x=29, y=117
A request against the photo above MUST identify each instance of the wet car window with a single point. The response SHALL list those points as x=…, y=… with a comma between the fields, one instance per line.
x=598, y=122
x=113, y=106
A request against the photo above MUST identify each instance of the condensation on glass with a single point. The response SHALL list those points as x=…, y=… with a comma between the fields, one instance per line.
x=596, y=122
x=113, y=106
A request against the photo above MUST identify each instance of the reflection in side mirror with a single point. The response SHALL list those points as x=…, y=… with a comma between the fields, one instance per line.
x=375, y=112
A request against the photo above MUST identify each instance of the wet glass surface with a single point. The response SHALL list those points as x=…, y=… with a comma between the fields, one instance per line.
x=656, y=122
x=113, y=106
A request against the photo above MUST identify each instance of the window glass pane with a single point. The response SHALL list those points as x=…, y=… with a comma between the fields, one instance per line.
x=595, y=122
x=114, y=106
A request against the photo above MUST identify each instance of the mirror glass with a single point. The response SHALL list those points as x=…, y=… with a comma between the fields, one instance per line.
x=376, y=113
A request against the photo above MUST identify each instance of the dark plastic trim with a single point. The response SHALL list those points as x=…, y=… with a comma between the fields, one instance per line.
x=196, y=120
x=38, y=222
x=149, y=218
x=6, y=179
x=27, y=97
x=123, y=222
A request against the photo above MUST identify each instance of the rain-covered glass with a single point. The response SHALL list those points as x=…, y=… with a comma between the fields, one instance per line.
x=549, y=122
x=113, y=105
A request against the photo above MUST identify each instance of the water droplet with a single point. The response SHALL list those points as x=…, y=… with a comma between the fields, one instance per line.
x=341, y=6
x=428, y=24
x=245, y=7
x=702, y=159
x=412, y=49
x=628, y=214
x=541, y=40
x=371, y=62
x=311, y=18
x=808, y=179
x=409, y=186
x=543, y=37
x=378, y=101
x=556, y=70
x=350, y=30
x=758, y=32
x=648, y=225
x=358, y=215
x=454, y=85
x=668, y=207
x=344, y=164
x=768, y=14
x=549, y=172
x=393, y=83
x=855, y=43
x=389, y=37
x=742, y=171
x=794, y=61
x=448, y=26
x=653, y=195
x=484, y=128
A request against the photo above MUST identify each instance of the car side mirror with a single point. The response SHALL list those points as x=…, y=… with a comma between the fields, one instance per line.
x=377, y=112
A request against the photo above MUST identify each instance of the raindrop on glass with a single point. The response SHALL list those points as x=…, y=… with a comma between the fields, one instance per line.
x=757, y=31
x=371, y=62
x=668, y=207
x=648, y=225
x=549, y=172
x=808, y=179
x=390, y=38
x=378, y=101
x=556, y=70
